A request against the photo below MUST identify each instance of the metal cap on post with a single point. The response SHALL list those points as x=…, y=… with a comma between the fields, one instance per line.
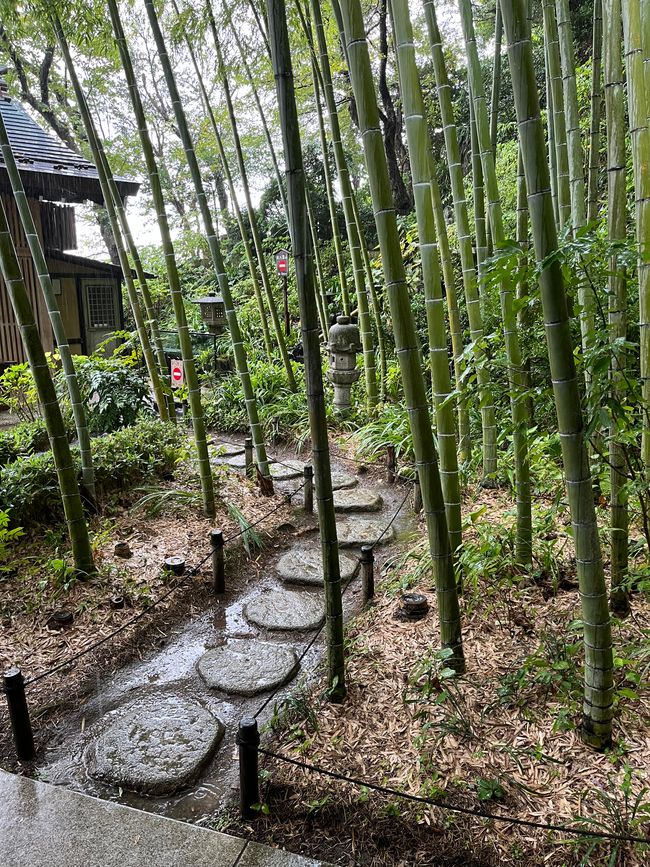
x=368, y=572
x=248, y=740
x=308, y=473
x=21, y=727
x=218, y=561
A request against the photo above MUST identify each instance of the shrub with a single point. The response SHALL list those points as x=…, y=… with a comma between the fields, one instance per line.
x=113, y=391
x=24, y=439
x=29, y=487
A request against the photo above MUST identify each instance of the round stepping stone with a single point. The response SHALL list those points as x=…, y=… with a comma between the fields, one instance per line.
x=286, y=470
x=248, y=667
x=236, y=461
x=357, y=500
x=305, y=566
x=343, y=480
x=229, y=450
x=155, y=744
x=286, y=609
x=355, y=531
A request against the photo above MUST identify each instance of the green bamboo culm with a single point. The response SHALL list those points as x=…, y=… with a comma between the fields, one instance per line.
x=51, y=303
x=243, y=234
x=617, y=291
x=552, y=51
x=421, y=161
x=108, y=195
x=598, y=685
x=470, y=284
x=173, y=278
x=281, y=56
x=520, y=421
x=478, y=201
x=596, y=97
x=215, y=252
x=406, y=339
x=321, y=296
x=65, y=468
x=250, y=210
x=347, y=199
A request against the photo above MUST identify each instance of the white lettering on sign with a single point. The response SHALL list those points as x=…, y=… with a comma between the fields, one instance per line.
x=178, y=374
x=282, y=262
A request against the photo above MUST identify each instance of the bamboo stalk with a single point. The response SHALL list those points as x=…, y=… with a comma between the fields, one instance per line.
x=598, y=684
x=552, y=50
x=596, y=112
x=281, y=54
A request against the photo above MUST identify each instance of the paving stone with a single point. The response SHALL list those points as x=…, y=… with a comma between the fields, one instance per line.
x=281, y=472
x=355, y=531
x=305, y=566
x=257, y=855
x=248, y=667
x=286, y=609
x=228, y=450
x=343, y=480
x=357, y=500
x=155, y=744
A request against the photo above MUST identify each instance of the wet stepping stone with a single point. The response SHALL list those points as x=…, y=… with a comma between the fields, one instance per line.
x=287, y=470
x=305, y=566
x=356, y=531
x=281, y=609
x=156, y=744
x=229, y=450
x=236, y=461
x=357, y=500
x=248, y=667
x=343, y=480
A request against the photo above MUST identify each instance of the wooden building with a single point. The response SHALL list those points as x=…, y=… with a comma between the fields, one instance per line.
x=55, y=178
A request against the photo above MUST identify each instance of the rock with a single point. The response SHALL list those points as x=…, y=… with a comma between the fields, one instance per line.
x=356, y=531
x=155, y=744
x=343, y=480
x=305, y=566
x=286, y=609
x=357, y=500
x=248, y=667
x=228, y=450
x=281, y=472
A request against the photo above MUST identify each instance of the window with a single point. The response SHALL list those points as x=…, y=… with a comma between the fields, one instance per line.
x=102, y=312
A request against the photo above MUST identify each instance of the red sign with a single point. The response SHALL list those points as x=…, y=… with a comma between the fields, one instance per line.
x=282, y=262
x=178, y=374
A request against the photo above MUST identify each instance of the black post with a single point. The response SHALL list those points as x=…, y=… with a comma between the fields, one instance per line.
x=19, y=713
x=287, y=321
x=368, y=572
x=417, y=495
x=248, y=457
x=309, y=488
x=391, y=464
x=218, y=564
x=248, y=740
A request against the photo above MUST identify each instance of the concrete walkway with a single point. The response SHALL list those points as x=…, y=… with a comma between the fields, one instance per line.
x=49, y=826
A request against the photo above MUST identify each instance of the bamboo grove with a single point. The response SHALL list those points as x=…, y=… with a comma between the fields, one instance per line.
x=559, y=248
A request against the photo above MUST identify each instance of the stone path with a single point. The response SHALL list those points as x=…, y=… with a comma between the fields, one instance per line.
x=305, y=566
x=50, y=826
x=282, y=609
x=357, y=500
x=245, y=667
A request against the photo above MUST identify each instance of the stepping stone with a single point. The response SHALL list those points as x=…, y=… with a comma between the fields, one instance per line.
x=248, y=667
x=357, y=500
x=155, y=744
x=287, y=470
x=228, y=450
x=356, y=531
x=286, y=609
x=305, y=566
x=343, y=480
x=236, y=461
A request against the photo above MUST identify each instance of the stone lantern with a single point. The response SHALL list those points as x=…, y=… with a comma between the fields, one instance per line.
x=213, y=313
x=343, y=345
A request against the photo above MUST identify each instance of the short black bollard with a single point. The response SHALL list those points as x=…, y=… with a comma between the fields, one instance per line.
x=248, y=740
x=391, y=465
x=309, y=488
x=248, y=457
x=368, y=572
x=19, y=714
x=218, y=562
x=417, y=496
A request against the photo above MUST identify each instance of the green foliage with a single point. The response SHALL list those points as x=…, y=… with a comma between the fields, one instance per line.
x=113, y=391
x=29, y=487
x=24, y=439
x=7, y=537
x=18, y=392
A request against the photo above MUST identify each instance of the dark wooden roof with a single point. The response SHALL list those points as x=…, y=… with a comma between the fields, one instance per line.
x=48, y=168
x=104, y=267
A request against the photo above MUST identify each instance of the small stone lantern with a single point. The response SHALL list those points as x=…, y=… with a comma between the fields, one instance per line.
x=213, y=313
x=343, y=345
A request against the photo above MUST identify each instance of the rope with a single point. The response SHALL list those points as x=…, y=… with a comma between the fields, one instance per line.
x=455, y=808
x=391, y=522
x=277, y=508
